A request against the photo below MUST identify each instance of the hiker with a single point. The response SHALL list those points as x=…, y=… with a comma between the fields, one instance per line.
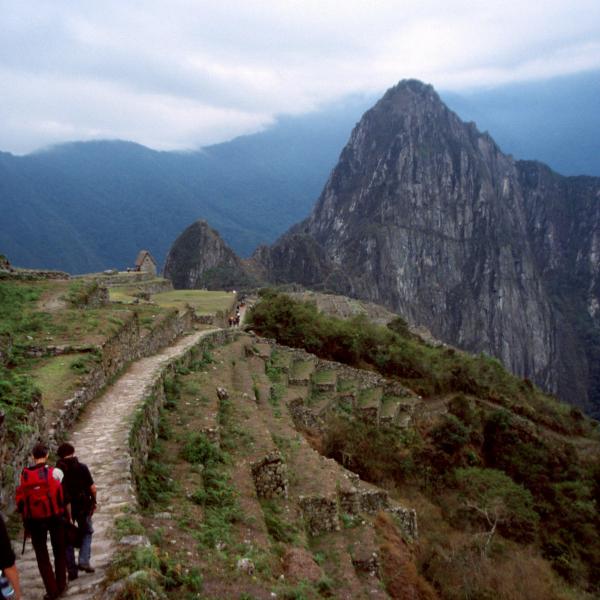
x=80, y=492
x=7, y=561
x=41, y=502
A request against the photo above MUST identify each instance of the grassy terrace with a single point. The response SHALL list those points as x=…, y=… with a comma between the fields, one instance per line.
x=38, y=314
x=302, y=369
x=202, y=301
x=328, y=377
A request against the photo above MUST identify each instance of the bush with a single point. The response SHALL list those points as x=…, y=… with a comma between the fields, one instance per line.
x=450, y=435
x=494, y=500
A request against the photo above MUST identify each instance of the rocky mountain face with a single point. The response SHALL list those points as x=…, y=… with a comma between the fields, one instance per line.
x=425, y=215
x=199, y=258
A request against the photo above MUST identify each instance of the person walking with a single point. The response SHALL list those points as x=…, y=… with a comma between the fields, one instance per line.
x=80, y=492
x=7, y=561
x=41, y=502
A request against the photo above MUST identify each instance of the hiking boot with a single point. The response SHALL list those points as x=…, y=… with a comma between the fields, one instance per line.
x=73, y=576
x=87, y=568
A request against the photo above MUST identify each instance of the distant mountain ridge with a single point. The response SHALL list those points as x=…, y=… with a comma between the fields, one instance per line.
x=428, y=217
x=85, y=207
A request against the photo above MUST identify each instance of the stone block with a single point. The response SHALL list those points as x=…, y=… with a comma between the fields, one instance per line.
x=372, y=501
x=407, y=520
x=350, y=501
x=270, y=476
x=320, y=514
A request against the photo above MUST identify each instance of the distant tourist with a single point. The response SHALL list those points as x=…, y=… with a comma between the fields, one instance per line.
x=7, y=564
x=80, y=492
x=41, y=502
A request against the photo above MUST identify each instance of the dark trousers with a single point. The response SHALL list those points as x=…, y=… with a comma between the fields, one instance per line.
x=55, y=581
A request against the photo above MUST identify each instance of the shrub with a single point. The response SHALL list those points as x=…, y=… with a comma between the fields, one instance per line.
x=496, y=501
x=450, y=435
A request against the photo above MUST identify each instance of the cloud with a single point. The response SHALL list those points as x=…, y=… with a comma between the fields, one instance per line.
x=185, y=73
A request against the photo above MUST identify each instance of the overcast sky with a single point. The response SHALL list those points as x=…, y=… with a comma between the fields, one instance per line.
x=180, y=74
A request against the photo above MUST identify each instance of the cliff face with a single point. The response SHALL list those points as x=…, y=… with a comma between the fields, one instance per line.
x=199, y=258
x=425, y=215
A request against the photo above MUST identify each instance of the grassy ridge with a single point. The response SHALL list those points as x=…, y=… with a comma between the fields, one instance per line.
x=506, y=462
x=394, y=352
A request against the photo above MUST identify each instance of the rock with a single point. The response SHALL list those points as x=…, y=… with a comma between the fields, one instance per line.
x=246, y=566
x=135, y=540
x=139, y=578
x=426, y=216
x=199, y=258
x=222, y=393
x=163, y=515
x=367, y=562
x=299, y=565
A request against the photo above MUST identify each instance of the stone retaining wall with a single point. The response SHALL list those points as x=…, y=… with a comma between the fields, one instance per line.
x=33, y=275
x=144, y=430
x=270, y=476
x=365, y=379
x=320, y=514
x=15, y=449
x=127, y=345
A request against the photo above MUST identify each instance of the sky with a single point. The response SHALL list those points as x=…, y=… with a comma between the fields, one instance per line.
x=181, y=74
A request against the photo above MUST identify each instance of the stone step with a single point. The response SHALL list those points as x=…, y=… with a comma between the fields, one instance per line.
x=280, y=359
x=101, y=441
x=301, y=371
x=324, y=380
x=368, y=406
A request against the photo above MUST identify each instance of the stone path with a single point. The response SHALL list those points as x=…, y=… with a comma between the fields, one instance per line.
x=101, y=441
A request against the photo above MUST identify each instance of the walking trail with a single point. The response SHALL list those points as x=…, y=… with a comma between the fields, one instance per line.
x=101, y=441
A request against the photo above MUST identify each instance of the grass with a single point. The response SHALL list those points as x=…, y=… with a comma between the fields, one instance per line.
x=301, y=369
x=389, y=405
x=280, y=360
x=280, y=529
x=325, y=377
x=370, y=397
x=203, y=302
x=57, y=378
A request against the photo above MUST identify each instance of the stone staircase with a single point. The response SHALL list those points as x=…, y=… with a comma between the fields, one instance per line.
x=101, y=441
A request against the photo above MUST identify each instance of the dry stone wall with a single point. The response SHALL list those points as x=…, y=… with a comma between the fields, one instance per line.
x=144, y=429
x=270, y=476
x=127, y=345
x=32, y=275
x=320, y=514
x=15, y=448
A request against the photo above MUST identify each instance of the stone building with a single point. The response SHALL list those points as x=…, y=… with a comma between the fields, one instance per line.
x=144, y=262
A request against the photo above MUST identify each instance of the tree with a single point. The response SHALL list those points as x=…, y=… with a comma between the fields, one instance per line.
x=497, y=501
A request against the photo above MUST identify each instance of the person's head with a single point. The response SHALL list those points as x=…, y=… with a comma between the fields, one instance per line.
x=65, y=450
x=40, y=452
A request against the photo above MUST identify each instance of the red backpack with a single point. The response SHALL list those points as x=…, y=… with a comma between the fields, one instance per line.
x=39, y=495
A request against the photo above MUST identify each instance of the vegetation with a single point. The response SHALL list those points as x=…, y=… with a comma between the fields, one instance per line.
x=202, y=301
x=506, y=466
x=429, y=371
